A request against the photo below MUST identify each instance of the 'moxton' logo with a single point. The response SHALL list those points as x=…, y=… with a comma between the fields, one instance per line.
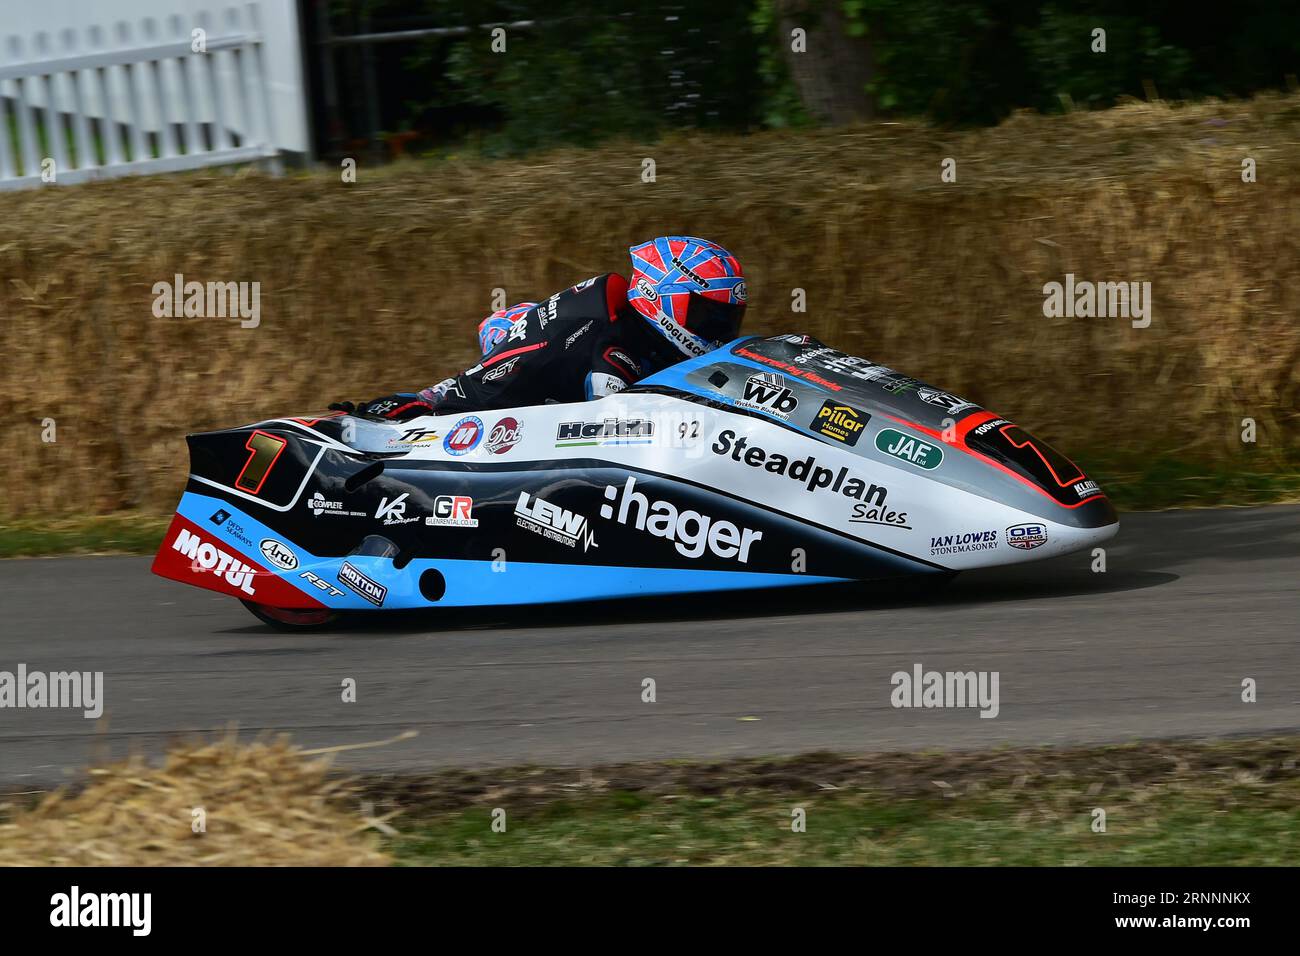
x=691, y=532
x=354, y=580
x=553, y=522
x=208, y=557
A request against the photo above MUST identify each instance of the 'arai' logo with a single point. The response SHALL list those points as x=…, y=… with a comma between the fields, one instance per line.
x=278, y=554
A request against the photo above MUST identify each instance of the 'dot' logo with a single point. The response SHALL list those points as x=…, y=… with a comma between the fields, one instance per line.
x=505, y=435
x=464, y=436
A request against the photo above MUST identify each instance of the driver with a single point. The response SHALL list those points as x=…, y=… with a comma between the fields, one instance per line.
x=685, y=297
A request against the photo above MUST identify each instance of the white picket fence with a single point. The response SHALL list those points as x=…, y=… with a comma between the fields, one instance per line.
x=136, y=104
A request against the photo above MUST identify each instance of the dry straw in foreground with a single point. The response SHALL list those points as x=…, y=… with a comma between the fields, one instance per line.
x=266, y=804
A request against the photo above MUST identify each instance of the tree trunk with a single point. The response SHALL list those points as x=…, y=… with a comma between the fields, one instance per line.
x=831, y=75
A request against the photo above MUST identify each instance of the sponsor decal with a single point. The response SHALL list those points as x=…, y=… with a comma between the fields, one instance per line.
x=546, y=311
x=394, y=512
x=354, y=580
x=504, y=435
x=279, y=554
x=740, y=292
x=864, y=513
x=320, y=505
x=585, y=283
x=811, y=356
x=679, y=335
x=1026, y=537
x=502, y=370
x=553, y=522
x=231, y=527
x=962, y=543
x=792, y=338
x=690, y=532
x=946, y=400
x=844, y=423
x=518, y=329
x=452, y=511
x=982, y=430
x=602, y=383
x=206, y=557
x=320, y=583
x=690, y=273
x=915, y=451
x=1086, y=489
x=464, y=436
x=610, y=431
x=768, y=392
x=812, y=476
x=578, y=334
x=646, y=289
x=807, y=375
x=415, y=436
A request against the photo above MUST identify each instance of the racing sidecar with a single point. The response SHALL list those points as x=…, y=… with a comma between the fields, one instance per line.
x=769, y=462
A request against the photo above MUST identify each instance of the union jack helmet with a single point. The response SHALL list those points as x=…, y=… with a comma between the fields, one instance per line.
x=691, y=290
x=493, y=330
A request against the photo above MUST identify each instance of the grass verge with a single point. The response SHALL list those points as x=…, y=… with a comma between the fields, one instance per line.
x=1234, y=803
x=128, y=533
x=1184, y=803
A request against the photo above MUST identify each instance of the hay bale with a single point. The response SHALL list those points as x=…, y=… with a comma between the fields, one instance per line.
x=266, y=804
x=377, y=285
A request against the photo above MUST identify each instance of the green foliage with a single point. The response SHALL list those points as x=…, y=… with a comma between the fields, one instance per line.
x=591, y=69
x=1064, y=63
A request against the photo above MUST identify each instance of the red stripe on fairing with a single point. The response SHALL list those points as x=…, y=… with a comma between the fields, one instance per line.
x=401, y=408
x=519, y=351
x=268, y=587
x=975, y=421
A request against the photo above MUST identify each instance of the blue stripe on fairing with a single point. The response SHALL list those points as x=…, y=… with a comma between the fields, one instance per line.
x=471, y=583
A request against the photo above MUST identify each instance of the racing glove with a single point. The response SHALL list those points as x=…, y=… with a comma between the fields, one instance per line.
x=398, y=407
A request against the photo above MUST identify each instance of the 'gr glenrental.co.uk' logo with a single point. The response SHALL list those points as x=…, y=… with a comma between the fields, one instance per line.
x=215, y=300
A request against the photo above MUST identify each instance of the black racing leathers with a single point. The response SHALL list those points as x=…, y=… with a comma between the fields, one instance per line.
x=582, y=343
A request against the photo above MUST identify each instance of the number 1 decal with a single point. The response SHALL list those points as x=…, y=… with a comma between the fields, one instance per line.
x=265, y=451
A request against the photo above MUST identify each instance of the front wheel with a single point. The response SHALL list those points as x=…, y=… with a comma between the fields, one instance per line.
x=284, y=619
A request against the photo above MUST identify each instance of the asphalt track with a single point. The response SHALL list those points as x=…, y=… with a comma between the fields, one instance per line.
x=1157, y=646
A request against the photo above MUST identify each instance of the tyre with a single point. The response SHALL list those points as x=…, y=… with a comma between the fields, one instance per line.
x=283, y=619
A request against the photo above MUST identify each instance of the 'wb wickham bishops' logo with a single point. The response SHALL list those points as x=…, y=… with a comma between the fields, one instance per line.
x=767, y=392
